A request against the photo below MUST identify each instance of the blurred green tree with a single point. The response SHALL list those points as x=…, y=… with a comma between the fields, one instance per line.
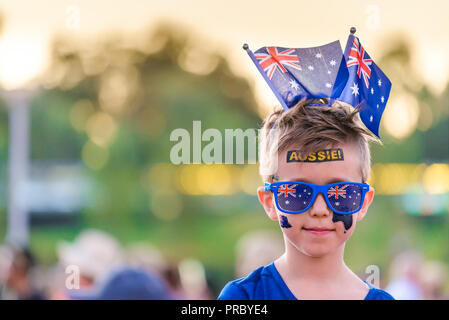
x=114, y=105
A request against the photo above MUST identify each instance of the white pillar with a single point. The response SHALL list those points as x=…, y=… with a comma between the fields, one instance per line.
x=18, y=229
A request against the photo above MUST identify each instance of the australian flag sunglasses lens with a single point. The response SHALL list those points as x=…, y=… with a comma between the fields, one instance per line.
x=341, y=198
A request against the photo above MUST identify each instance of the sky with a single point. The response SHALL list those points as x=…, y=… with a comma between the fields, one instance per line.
x=28, y=27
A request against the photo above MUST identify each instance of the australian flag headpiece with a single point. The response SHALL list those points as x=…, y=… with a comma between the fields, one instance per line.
x=325, y=72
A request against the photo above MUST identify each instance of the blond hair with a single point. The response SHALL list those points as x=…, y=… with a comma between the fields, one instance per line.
x=313, y=128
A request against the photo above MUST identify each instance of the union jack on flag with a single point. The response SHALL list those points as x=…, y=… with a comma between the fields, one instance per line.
x=296, y=73
x=357, y=57
x=336, y=192
x=275, y=60
x=286, y=190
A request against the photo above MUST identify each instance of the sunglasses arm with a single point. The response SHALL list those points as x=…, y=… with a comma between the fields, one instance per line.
x=267, y=186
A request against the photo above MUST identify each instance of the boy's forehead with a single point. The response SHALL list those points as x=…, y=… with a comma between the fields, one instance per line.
x=327, y=165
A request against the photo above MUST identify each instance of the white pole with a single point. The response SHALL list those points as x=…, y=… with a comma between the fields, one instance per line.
x=18, y=229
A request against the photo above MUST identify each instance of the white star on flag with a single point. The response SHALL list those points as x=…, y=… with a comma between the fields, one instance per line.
x=333, y=62
x=328, y=72
x=371, y=118
x=318, y=55
x=294, y=84
x=372, y=91
x=328, y=85
x=355, y=89
x=379, y=82
x=382, y=99
x=311, y=68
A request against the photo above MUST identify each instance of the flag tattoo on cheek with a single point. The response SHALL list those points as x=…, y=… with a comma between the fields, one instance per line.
x=284, y=222
x=345, y=218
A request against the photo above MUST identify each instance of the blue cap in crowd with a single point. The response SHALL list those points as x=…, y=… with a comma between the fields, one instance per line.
x=126, y=283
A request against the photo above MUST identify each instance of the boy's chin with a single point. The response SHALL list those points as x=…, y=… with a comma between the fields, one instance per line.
x=316, y=250
x=317, y=253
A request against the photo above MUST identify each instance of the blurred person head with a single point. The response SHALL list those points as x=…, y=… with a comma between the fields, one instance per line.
x=21, y=265
x=193, y=279
x=433, y=279
x=18, y=273
x=146, y=256
x=126, y=283
x=6, y=257
x=172, y=277
x=255, y=249
x=310, y=130
x=94, y=252
x=405, y=276
x=407, y=265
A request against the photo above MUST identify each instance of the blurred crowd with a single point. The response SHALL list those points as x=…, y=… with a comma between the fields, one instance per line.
x=96, y=266
x=414, y=278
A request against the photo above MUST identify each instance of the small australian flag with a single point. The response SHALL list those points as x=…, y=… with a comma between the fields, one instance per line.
x=366, y=85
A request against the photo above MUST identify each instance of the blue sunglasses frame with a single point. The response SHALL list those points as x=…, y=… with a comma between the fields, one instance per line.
x=317, y=189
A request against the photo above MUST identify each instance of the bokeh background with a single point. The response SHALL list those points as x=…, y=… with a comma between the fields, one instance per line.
x=93, y=89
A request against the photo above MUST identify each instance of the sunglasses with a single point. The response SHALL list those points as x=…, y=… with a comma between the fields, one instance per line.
x=297, y=197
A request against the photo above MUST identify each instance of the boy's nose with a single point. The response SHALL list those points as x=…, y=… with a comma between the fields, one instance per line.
x=320, y=208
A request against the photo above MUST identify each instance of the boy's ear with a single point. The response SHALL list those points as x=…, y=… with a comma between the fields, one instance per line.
x=369, y=196
x=267, y=201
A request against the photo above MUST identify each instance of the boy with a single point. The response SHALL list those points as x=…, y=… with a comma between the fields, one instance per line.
x=316, y=145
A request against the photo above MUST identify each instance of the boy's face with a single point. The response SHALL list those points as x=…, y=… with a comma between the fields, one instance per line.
x=317, y=231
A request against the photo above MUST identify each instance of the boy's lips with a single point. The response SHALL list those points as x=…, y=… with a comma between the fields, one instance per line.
x=318, y=230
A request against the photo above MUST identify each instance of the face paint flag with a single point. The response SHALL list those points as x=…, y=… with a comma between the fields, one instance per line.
x=367, y=85
x=296, y=73
x=324, y=72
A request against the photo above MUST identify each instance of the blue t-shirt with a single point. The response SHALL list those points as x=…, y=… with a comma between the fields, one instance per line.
x=265, y=283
